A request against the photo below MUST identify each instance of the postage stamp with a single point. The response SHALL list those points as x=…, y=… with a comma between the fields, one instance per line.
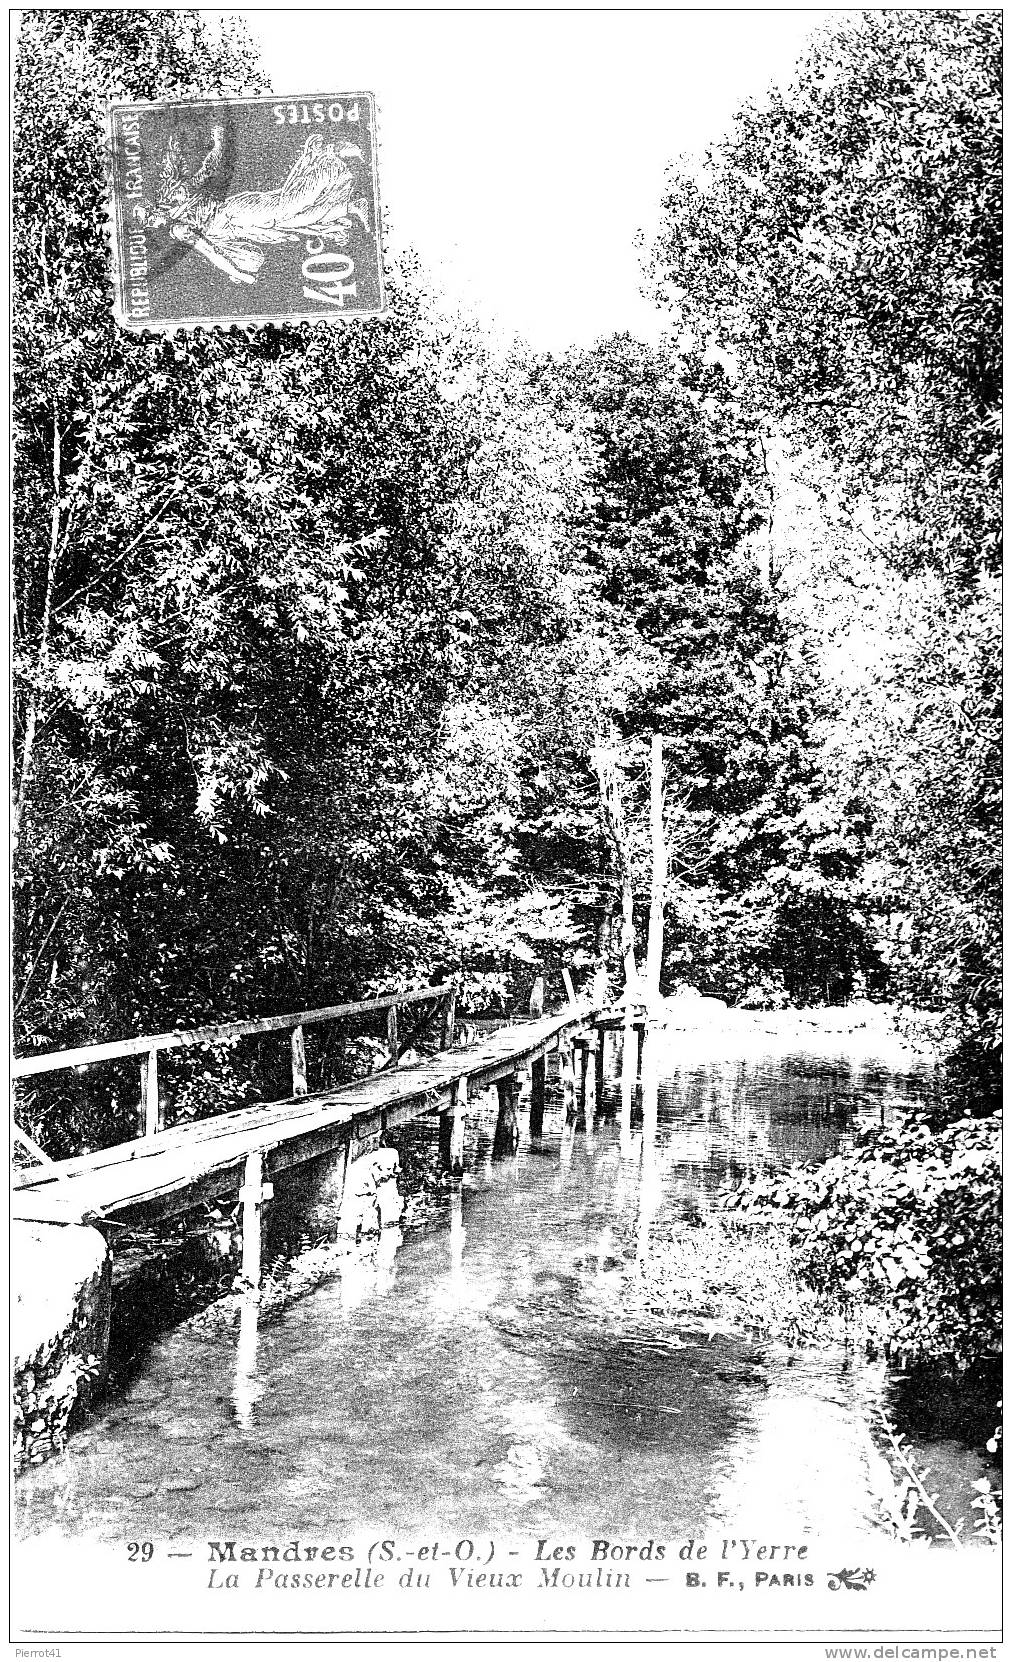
x=245, y=210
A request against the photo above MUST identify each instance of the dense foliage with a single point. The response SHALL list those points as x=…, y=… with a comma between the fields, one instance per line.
x=845, y=240
x=282, y=598
x=842, y=247
x=764, y=856
x=909, y=1226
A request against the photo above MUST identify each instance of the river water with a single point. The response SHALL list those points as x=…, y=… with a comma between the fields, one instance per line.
x=482, y=1371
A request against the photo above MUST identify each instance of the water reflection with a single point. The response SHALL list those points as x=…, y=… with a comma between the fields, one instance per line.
x=248, y=1386
x=567, y=1143
x=803, y=1458
x=650, y=1176
x=458, y=1236
x=368, y=1267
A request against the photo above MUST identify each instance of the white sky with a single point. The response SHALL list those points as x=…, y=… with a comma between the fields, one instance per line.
x=520, y=152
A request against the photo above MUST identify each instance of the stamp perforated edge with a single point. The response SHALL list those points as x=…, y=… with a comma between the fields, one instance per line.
x=226, y=322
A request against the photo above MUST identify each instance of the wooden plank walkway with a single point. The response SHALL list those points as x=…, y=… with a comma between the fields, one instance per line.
x=160, y=1175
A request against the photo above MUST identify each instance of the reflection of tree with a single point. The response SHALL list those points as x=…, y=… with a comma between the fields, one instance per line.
x=249, y=1385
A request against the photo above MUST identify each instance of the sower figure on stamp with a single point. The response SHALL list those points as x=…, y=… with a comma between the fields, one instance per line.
x=314, y=201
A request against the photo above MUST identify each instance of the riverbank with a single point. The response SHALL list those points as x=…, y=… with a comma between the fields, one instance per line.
x=891, y=1246
x=897, y=1035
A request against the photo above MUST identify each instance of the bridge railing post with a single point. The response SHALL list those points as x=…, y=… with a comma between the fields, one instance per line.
x=149, y=1094
x=599, y=1057
x=449, y=1019
x=300, y=1081
x=393, y=1036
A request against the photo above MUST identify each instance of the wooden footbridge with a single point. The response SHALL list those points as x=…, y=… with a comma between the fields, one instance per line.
x=236, y=1154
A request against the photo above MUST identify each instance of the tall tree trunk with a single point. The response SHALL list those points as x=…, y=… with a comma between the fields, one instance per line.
x=628, y=934
x=602, y=947
x=24, y=780
x=658, y=870
x=613, y=824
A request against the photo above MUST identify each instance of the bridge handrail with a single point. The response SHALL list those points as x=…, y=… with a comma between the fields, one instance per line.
x=53, y=1061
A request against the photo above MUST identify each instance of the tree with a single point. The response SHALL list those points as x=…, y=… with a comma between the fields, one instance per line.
x=844, y=242
x=259, y=578
x=717, y=661
x=842, y=246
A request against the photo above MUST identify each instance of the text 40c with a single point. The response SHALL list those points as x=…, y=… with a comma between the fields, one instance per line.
x=303, y=115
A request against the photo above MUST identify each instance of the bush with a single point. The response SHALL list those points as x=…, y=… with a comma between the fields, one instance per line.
x=906, y=1225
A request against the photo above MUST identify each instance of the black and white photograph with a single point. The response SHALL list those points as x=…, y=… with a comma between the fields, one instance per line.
x=505, y=657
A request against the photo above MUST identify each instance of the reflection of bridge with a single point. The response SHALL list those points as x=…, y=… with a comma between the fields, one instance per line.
x=236, y=1154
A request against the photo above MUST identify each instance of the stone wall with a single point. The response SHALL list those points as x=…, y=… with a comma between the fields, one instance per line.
x=60, y=1275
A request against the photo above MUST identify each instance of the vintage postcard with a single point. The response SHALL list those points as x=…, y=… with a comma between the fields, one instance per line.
x=506, y=885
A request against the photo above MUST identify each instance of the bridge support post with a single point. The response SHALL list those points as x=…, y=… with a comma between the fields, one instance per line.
x=566, y=1059
x=629, y=1071
x=581, y=1064
x=253, y=1193
x=507, y=1132
x=537, y=1096
x=393, y=1037
x=630, y=1053
x=451, y=1131
x=590, y=1070
x=599, y=1062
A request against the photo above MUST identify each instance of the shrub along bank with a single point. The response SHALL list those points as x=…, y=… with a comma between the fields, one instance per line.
x=907, y=1227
